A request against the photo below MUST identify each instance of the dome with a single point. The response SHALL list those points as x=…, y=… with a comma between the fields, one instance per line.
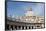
x=29, y=12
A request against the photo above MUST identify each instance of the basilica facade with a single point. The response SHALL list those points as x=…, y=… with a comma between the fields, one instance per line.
x=28, y=21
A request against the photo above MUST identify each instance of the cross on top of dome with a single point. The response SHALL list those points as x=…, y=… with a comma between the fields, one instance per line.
x=30, y=9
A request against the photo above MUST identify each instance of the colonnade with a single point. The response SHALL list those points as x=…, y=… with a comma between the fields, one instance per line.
x=14, y=27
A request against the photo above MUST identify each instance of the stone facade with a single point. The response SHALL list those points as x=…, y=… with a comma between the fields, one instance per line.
x=23, y=23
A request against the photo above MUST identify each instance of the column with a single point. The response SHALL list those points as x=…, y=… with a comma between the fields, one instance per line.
x=27, y=27
x=24, y=27
x=13, y=27
x=34, y=27
x=17, y=28
x=9, y=27
x=21, y=28
x=42, y=26
x=30, y=27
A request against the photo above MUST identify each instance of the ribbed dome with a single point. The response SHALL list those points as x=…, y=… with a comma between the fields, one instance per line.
x=29, y=12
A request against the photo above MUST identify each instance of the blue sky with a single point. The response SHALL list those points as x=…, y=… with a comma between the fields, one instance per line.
x=19, y=8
